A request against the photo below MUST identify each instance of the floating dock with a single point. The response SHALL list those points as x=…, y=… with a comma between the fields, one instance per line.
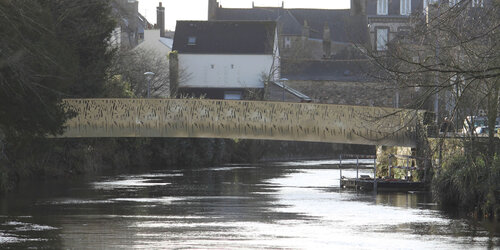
x=365, y=182
x=368, y=184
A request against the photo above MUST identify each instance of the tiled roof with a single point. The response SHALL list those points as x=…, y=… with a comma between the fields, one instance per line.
x=224, y=37
x=343, y=26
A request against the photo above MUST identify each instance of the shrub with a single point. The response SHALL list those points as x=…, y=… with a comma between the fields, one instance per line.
x=468, y=183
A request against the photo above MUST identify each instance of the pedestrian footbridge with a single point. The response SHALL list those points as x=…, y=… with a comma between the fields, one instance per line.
x=240, y=120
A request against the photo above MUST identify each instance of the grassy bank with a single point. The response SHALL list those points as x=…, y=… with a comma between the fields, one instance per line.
x=469, y=184
x=72, y=158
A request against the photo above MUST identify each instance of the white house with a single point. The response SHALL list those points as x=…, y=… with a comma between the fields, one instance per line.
x=152, y=41
x=226, y=59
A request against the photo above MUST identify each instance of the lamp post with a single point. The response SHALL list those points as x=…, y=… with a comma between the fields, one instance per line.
x=283, y=80
x=149, y=77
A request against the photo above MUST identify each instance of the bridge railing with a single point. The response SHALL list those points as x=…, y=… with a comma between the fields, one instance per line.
x=358, y=157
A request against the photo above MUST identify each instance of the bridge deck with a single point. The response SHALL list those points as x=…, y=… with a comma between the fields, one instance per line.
x=240, y=119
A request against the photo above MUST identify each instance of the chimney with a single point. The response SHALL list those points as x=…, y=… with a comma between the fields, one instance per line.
x=160, y=19
x=282, y=4
x=327, y=42
x=358, y=7
x=305, y=30
x=213, y=5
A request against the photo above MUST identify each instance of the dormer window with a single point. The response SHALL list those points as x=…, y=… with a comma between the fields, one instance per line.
x=381, y=7
x=192, y=40
x=405, y=7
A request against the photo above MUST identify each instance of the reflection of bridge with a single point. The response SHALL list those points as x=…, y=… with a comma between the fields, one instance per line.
x=241, y=119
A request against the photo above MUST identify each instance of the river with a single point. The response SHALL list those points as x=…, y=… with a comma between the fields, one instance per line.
x=287, y=205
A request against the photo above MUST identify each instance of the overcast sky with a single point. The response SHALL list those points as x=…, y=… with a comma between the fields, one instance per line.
x=197, y=9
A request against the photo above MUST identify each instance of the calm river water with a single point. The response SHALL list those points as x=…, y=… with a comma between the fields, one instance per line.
x=294, y=205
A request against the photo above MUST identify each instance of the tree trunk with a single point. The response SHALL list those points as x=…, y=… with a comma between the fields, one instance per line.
x=492, y=116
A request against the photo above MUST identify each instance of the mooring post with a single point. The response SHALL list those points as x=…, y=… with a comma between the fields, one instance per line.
x=407, y=167
x=425, y=170
x=390, y=165
x=357, y=167
x=375, y=174
x=357, y=170
x=340, y=168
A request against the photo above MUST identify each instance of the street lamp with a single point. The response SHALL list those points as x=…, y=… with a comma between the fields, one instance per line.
x=149, y=77
x=283, y=80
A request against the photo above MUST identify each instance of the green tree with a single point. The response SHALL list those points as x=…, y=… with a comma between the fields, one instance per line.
x=86, y=27
x=49, y=50
x=33, y=70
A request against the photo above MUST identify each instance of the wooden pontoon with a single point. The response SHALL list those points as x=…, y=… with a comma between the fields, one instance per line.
x=365, y=182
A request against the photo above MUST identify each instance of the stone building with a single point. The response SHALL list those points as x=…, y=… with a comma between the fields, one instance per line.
x=303, y=33
x=322, y=51
x=388, y=18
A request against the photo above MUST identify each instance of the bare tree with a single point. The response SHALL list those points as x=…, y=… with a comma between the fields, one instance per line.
x=131, y=66
x=452, y=57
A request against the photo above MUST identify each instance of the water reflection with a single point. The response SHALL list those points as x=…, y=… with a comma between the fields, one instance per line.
x=294, y=205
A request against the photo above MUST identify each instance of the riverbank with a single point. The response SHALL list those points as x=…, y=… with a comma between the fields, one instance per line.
x=464, y=176
x=72, y=158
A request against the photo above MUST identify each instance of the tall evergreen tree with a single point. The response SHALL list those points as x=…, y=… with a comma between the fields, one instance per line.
x=50, y=50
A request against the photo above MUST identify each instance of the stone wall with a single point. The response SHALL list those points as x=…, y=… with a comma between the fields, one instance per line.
x=353, y=93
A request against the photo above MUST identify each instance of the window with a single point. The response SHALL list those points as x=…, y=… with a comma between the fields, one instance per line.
x=453, y=2
x=232, y=95
x=427, y=3
x=287, y=42
x=381, y=7
x=382, y=38
x=477, y=3
x=405, y=7
x=192, y=40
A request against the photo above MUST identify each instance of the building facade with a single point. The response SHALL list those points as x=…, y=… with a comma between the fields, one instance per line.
x=303, y=33
x=225, y=59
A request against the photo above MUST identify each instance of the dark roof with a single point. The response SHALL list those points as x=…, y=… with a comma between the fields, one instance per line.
x=288, y=24
x=342, y=70
x=343, y=26
x=225, y=37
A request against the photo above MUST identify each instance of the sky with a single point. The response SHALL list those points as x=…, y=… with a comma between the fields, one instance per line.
x=197, y=9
